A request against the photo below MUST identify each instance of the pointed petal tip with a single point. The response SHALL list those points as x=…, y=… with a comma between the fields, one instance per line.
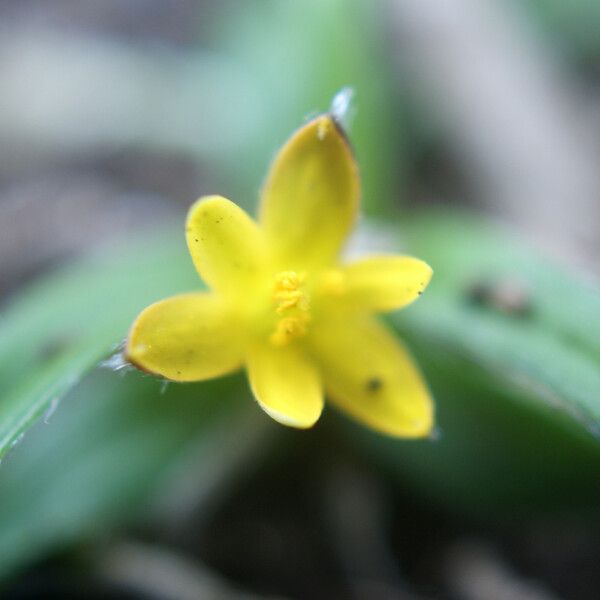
x=324, y=124
x=135, y=358
x=297, y=422
x=414, y=429
x=384, y=282
x=208, y=205
x=416, y=421
x=408, y=427
x=428, y=274
x=329, y=123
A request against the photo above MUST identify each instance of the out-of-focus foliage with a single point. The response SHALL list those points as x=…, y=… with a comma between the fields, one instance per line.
x=509, y=344
x=65, y=325
x=531, y=377
x=517, y=389
x=227, y=103
x=301, y=54
x=576, y=22
x=104, y=457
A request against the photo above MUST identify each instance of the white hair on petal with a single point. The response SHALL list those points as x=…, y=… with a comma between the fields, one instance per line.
x=341, y=106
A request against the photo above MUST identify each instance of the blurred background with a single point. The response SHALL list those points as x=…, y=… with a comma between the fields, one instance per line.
x=476, y=124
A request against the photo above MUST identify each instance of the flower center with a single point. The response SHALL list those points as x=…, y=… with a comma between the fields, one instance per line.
x=292, y=306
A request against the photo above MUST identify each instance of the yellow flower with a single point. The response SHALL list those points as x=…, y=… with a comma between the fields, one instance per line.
x=284, y=306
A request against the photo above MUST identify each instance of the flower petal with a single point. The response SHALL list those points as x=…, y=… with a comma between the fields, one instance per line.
x=189, y=337
x=384, y=283
x=369, y=374
x=311, y=195
x=286, y=384
x=226, y=245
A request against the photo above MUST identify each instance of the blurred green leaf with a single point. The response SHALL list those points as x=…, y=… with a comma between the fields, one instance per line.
x=517, y=389
x=301, y=54
x=101, y=459
x=62, y=326
x=518, y=393
x=573, y=24
x=548, y=346
x=271, y=64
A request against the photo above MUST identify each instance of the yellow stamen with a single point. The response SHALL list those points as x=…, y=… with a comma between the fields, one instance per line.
x=288, y=293
x=292, y=305
x=288, y=329
x=289, y=280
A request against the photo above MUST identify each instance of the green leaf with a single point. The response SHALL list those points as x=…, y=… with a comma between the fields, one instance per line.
x=548, y=346
x=63, y=325
x=322, y=48
x=518, y=392
x=104, y=456
x=516, y=378
x=571, y=27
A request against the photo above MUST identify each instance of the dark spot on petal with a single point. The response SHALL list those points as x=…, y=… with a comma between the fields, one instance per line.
x=373, y=385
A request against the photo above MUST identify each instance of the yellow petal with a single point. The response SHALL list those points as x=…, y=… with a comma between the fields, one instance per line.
x=310, y=198
x=368, y=374
x=286, y=384
x=384, y=283
x=226, y=245
x=186, y=338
